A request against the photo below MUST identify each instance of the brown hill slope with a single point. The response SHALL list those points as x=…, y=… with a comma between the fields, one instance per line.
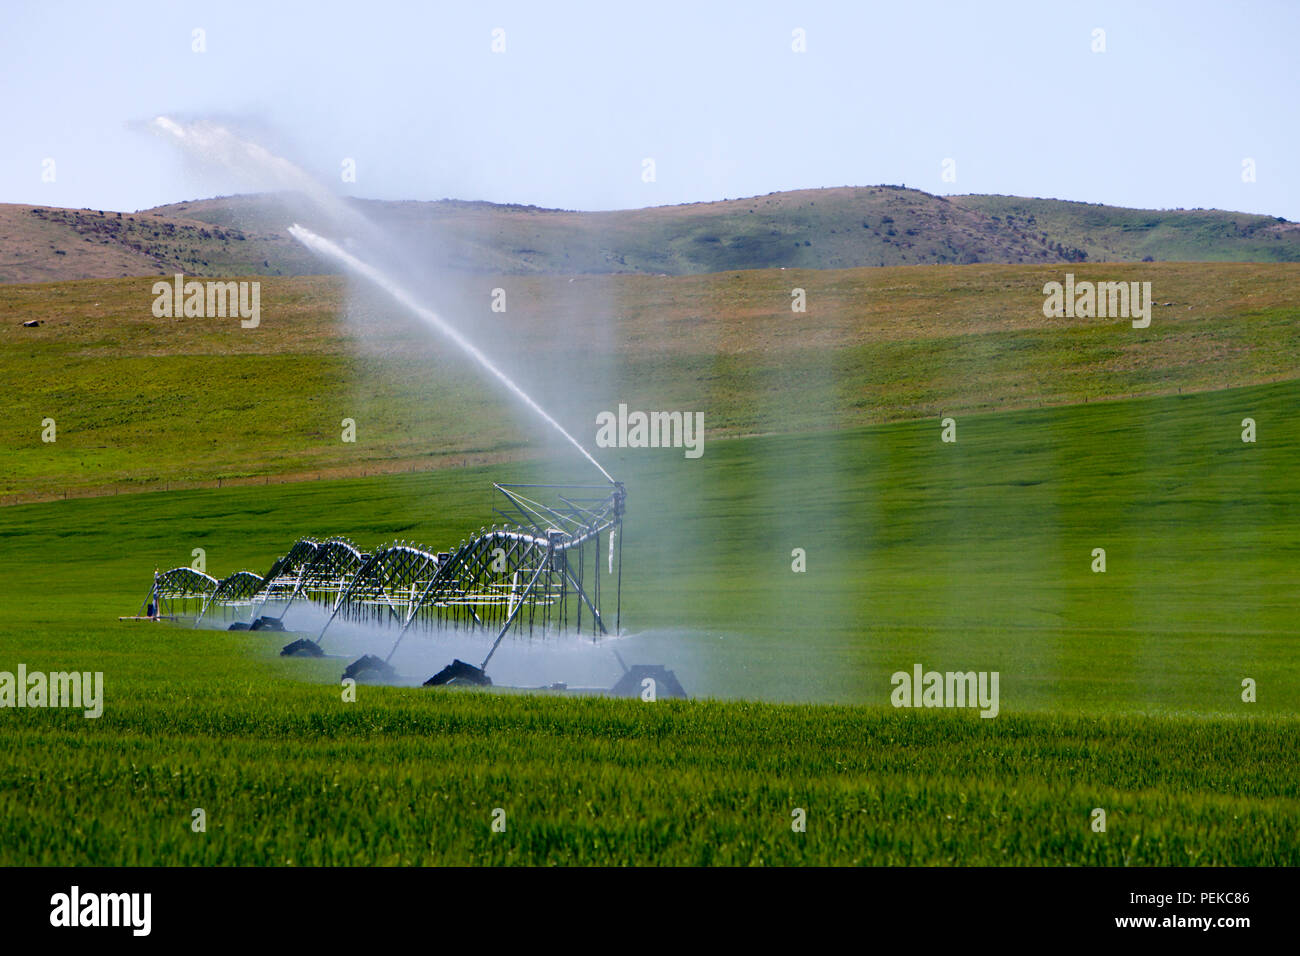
x=844, y=227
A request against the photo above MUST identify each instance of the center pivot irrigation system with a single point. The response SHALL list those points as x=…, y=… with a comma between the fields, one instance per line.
x=540, y=570
x=547, y=567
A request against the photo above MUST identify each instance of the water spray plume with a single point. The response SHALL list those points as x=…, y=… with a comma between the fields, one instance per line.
x=544, y=545
x=323, y=247
x=215, y=146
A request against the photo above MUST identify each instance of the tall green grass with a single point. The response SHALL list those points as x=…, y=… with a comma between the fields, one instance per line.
x=287, y=773
x=1119, y=690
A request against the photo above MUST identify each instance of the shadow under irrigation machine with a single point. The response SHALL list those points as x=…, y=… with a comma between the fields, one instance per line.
x=538, y=571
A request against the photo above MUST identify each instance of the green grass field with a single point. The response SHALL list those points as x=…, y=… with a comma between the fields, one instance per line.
x=148, y=403
x=1120, y=690
x=288, y=774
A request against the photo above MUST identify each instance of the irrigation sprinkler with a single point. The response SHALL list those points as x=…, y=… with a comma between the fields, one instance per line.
x=478, y=585
x=536, y=571
x=177, y=594
x=539, y=572
x=478, y=675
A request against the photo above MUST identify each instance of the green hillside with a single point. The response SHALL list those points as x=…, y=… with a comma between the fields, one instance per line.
x=836, y=228
x=144, y=402
x=1115, y=234
x=1119, y=690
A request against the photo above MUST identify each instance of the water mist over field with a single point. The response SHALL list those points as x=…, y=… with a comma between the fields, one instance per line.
x=324, y=247
x=410, y=277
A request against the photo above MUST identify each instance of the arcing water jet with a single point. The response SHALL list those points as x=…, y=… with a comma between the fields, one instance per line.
x=324, y=247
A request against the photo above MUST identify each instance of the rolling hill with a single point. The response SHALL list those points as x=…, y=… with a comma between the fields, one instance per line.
x=129, y=389
x=844, y=227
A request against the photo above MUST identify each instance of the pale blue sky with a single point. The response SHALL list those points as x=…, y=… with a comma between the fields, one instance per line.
x=712, y=92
